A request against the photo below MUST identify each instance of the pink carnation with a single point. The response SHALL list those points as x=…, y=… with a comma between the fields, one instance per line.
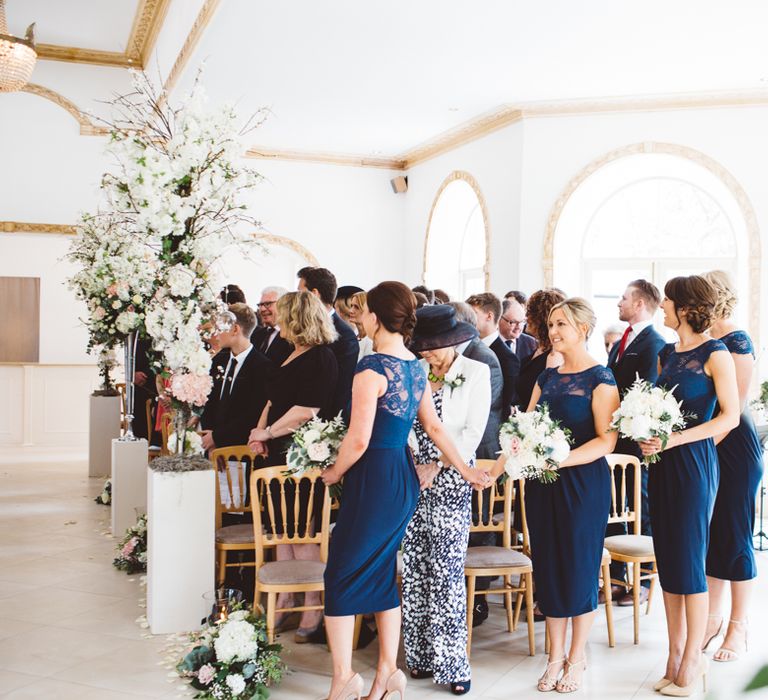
x=205, y=674
x=191, y=388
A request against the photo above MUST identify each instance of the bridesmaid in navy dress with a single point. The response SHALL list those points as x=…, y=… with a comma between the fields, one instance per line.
x=731, y=555
x=567, y=518
x=683, y=484
x=381, y=490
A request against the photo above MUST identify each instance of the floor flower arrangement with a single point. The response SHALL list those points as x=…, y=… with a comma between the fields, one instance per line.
x=132, y=549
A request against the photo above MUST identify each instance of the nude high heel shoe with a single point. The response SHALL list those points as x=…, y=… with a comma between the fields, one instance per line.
x=395, y=684
x=726, y=655
x=662, y=683
x=567, y=684
x=676, y=691
x=352, y=689
x=546, y=682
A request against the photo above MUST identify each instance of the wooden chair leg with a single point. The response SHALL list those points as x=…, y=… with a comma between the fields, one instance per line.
x=271, y=605
x=529, y=613
x=636, y=599
x=653, y=583
x=356, y=633
x=222, y=572
x=470, y=611
x=608, y=603
x=508, y=604
x=518, y=605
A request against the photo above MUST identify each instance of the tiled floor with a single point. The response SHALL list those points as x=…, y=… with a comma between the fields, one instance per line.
x=68, y=619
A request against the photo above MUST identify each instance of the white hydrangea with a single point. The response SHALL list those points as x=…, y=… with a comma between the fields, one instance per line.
x=236, y=683
x=236, y=642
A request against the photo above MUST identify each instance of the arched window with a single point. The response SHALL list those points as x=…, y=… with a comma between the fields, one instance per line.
x=455, y=258
x=271, y=261
x=648, y=215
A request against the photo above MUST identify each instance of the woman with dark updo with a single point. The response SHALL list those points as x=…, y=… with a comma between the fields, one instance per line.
x=682, y=485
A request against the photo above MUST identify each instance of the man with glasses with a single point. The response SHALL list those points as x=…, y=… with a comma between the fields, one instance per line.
x=266, y=338
x=511, y=325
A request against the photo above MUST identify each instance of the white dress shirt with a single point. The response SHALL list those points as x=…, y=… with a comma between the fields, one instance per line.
x=637, y=329
x=488, y=340
x=240, y=359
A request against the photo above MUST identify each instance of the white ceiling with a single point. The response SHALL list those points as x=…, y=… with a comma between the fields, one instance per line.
x=378, y=77
x=87, y=24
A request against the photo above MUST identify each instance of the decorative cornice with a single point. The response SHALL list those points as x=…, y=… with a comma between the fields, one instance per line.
x=24, y=227
x=146, y=26
x=195, y=33
x=464, y=133
x=327, y=158
x=72, y=54
x=87, y=127
x=147, y=23
x=271, y=239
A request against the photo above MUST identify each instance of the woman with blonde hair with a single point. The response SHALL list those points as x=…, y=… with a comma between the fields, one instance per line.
x=356, y=303
x=731, y=555
x=304, y=386
x=566, y=518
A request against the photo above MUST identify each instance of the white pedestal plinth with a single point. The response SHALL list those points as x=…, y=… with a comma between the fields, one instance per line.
x=104, y=426
x=129, y=483
x=180, y=549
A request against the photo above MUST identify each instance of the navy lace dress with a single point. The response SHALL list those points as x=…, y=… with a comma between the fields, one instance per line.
x=731, y=554
x=566, y=519
x=380, y=495
x=683, y=483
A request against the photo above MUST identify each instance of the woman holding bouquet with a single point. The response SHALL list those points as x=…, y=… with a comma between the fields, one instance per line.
x=682, y=485
x=381, y=490
x=435, y=543
x=567, y=518
x=301, y=388
x=731, y=555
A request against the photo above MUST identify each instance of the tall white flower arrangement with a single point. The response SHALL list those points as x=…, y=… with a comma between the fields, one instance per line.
x=176, y=193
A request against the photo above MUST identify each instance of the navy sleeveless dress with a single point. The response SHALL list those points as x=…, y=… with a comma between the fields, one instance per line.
x=381, y=492
x=731, y=554
x=566, y=519
x=682, y=485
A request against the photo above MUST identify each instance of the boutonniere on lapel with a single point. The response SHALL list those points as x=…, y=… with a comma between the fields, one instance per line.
x=456, y=382
x=219, y=375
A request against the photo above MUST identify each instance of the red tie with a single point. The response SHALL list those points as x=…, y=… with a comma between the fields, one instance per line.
x=623, y=343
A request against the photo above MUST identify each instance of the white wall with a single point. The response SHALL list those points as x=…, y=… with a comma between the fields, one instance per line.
x=348, y=218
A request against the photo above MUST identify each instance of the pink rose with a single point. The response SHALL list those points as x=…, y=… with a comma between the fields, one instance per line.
x=205, y=674
x=129, y=546
x=514, y=446
x=112, y=290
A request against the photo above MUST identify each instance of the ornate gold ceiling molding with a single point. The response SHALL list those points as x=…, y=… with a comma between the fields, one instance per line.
x=742, y=199
x=327, y=158
x=146, y=26
x=26, y=227
x=87, y=127
x=462, y=134
x=203, y=19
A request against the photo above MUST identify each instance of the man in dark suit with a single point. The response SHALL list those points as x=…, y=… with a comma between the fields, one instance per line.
x=476, y=349
x=144, y=389
x=511, y=326
x=636, y=354
x=239, y=391
x=487, y=308
x=266, y=338
x=322, y=283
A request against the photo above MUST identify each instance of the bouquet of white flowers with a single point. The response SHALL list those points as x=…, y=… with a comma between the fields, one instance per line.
x=648, y=411
x=534, y=445
x=315, y=445
x=233, y=660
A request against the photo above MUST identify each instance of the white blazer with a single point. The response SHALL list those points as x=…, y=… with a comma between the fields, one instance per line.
x=465, y=407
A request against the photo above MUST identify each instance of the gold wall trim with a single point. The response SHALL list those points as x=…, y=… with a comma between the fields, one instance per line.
x=26, y=227
x=328, y=158
x=470, y=180
x=461, y=135
x=203, y=19
x=87, y=127
x=145, y=28
x=272, y=239
x=745, y=205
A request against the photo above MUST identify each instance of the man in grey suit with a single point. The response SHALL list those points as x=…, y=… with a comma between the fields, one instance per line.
x=488, y=448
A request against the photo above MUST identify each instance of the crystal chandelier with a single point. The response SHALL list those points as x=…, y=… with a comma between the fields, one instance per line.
x=17, y=56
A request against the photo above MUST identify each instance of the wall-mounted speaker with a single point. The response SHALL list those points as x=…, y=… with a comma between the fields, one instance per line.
x=399, y=184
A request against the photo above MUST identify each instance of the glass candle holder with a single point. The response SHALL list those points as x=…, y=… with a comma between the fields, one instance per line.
x=221, y=602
